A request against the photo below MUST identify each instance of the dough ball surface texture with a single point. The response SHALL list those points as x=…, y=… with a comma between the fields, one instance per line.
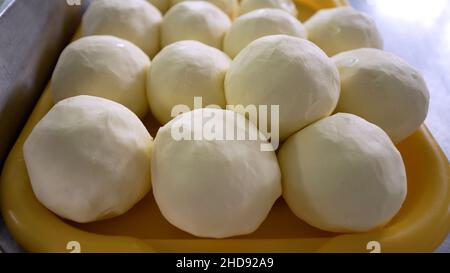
x=103, y=66
x=184, y=70
x=383, y=89
x=341, y=29
x=286, y=71
x=251, y=5
x=259, y=23
x=343, y=174
x=162, y=5
x=133, y=20
x=88, y=159
x=230, y=7
x=195, y=20
x=214, y=188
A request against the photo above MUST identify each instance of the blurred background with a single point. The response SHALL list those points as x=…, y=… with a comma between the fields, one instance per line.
x=416, y=30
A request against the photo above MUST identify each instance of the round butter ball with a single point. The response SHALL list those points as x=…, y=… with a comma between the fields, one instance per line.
x=133, y=20
x=251, y=5
x=383, y=89
x=162, y=5
x=195, y=20
x=343, y=174
x=259, y=23
x=88, y=159
x=103, y=66
x=340, y=29
x=214, y=188
x=184, y=70
x=286, y=71
x=230, y=7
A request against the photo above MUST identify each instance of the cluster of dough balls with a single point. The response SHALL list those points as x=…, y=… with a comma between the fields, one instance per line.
x=286, y=71
x=230, y=7
x=182, y=71
x=383, y=89
x=214, y=188
x=339, y=173
x=260, y=23
x=195, y=20
x=340, y=29
x=343, y=174
x=88, y=159
x=103, y=66
x=135, y=20
x=286, y=5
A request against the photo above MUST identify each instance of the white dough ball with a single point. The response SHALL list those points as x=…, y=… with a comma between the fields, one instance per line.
x=162, y=5
x=230, y=7
x=286, y=71
x=184, y=70
x=343, y=174
x=195, y=20
x=214, y=188
x=259, y=23
x=103, y=66
x=88, y=159
x=251, y=5
x=133, y=20
x=340, y=29
x=383, y=89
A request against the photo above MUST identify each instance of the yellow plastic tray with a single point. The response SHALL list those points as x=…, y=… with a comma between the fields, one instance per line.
x=421, y=225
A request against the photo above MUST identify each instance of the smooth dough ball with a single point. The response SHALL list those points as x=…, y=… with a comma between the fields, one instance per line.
x=133, y=20
x=259, y=23
x=162, y=5
x=195, y=20
x=343, y=174
x=214, y=188
x=383, y=89
x=230, y=7
x=182, y=71
x=340, y=29
x=88, y=159
x=251, y=5
x=286, y=71
x=103, y=66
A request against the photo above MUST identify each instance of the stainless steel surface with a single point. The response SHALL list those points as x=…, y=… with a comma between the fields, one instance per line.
x=4, y=4
x=419, y=32
x=32, y=34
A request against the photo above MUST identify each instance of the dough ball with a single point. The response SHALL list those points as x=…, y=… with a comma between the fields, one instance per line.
x=184, y=70
x=133, y=20
x=195, y=20
x=286, y=5
x=88, y=159
x=286, y=71
x=340, y=29
x=383, y=89
x=214, y=188
x=162, y=5
x=103, y=66
x=343, y=174
x=230, y=7
x=259, y=23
